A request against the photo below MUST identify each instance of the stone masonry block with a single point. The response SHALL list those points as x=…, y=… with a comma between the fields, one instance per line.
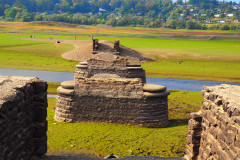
x=23, y=103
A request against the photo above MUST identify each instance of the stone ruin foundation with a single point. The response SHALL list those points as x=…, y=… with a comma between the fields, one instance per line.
x=23, y=125
x=112, y=92
x=214, y=131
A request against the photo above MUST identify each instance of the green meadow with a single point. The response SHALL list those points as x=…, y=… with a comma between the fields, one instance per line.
x=28, y=54
x=202, y=59
x=217, y=60
x=100, y=139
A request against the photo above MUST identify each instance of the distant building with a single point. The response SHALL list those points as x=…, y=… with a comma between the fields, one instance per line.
x=204, y=14
x=222, y=21
x=230, y=15
x=235, y=7
x=189, y=17
x=217, y=15
x=102, y=10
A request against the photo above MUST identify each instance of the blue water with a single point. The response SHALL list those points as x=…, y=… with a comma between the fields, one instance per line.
x=185, y=84
x=49, y=76
x=170, y=83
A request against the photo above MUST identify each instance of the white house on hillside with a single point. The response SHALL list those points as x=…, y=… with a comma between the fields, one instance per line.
x=222, y=21
x=230, y=15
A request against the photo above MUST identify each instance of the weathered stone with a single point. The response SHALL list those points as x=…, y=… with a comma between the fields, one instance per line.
x=84, y=63
x=219, y=128
x=23, y=124
x=112, y=91
x=68, y=84
x=154, y=95
x=82, y=66
x=133, y=68
x=197, y=116
x=206, y=105
x=153, y=88
x=64, y=91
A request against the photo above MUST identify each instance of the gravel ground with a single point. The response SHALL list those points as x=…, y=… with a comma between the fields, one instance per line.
x=84, y=157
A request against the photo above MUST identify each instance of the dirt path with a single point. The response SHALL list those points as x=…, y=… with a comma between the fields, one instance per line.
x=83, y=51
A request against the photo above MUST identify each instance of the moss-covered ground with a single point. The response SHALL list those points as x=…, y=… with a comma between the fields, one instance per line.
x=100, y=139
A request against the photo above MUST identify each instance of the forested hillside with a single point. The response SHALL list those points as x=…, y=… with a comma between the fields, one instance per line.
x=194, y=14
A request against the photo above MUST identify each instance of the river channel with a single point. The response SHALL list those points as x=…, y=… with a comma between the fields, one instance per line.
x=170, y=83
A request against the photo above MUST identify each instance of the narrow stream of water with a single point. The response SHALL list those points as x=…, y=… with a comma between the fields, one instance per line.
x=170, y=83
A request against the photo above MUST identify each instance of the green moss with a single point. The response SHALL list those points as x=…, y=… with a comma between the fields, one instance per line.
x=100, y=139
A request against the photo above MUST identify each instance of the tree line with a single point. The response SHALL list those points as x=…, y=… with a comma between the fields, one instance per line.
x=147, y=13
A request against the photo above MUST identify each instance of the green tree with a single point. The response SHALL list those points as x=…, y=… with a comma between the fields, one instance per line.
x=190, y=24
x=64, y=6
x=225, y=27
x=11, y=12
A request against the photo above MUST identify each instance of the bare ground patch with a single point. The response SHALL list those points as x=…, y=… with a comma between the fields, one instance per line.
x=83, y=50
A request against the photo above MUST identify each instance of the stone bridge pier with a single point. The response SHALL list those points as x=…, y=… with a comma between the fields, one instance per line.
x=112, y=92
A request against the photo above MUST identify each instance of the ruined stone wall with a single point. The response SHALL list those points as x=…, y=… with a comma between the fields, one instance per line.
x=120, y=101
x=112, y=92
x=23, y=125
x=214, y=131
x=119, y=68
x=109, y=87
x=152, y=112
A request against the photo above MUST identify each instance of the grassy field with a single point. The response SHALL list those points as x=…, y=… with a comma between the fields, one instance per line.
x=217, y=60
x=99, y=139
x=201, y=59
x=28, y=54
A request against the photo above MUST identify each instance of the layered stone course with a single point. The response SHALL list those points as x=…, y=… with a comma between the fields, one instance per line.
x=66, y=102
x=118, y=68
x=23, y=125
x=214, y=132
x=112, y=92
